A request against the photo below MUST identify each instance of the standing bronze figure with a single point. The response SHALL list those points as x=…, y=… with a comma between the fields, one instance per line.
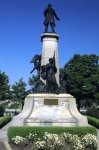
x=48, y=74
x=50, y=16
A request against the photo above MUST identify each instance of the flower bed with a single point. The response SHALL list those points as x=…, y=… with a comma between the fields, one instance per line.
x=52, y=138
x=51, y=141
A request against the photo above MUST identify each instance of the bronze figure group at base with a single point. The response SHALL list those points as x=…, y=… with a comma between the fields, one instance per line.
x=45, y=73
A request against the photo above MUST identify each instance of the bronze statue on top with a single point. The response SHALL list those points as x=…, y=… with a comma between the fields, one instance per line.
x=50, y=16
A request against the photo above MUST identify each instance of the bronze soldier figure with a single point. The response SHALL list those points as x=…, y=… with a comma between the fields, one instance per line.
x=50, y=71
x=50, y=16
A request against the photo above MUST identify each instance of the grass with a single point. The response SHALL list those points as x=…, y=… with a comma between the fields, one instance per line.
x=24, y=131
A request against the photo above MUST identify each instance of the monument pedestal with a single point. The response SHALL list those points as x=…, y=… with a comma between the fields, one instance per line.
x=50, y=110
x=50, y=50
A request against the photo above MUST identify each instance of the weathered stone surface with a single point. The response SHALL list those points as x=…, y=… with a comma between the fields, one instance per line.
x=36, y=113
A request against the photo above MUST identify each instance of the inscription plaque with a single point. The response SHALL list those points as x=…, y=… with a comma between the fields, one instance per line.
x=50, y=101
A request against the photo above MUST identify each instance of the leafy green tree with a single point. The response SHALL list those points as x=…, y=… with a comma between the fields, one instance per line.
x=83, y=78
x=33, y=81
x=2, y=110
x=19, y=92
x=4, y=86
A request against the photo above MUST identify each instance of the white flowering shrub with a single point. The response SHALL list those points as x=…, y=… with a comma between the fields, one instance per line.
x=53, y=141
x=64, y=141
x=39, y=145
x=76, y=143
x=90, y=141
x=32, y=137
x=72, y=141
x=20, y=141
x=66, y=137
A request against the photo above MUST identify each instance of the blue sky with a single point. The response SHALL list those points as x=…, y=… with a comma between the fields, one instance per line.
x=21, y=26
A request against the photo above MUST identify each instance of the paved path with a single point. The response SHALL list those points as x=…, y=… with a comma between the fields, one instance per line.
x=3, y=138
x=3, y=132
x=2, y=146
x=3, y=135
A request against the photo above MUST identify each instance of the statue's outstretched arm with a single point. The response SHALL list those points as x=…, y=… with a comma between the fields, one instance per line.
x=32, y=70
x=56, y=16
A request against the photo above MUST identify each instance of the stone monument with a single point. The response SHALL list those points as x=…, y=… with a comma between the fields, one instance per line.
x=47, y=105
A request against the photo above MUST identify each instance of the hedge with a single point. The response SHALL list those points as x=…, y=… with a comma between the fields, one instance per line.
x=93, y=121
x=4, y=120
x=93, y=112
x=24, y=131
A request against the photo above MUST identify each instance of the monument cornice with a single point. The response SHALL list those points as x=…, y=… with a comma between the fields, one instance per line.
x=49, y=35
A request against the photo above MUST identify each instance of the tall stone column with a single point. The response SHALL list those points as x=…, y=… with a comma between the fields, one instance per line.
x=49, y=49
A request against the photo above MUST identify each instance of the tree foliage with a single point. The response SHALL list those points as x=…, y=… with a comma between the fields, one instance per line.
x=19, y=92
x=33, y=81
x=2, y=110
x=83, y=78
x=4, y=86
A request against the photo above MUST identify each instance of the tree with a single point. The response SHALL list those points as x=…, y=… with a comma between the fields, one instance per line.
x=32, y=81
x=4, y=86
x=19, y=92
x=2, y=110
x=83, y=78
